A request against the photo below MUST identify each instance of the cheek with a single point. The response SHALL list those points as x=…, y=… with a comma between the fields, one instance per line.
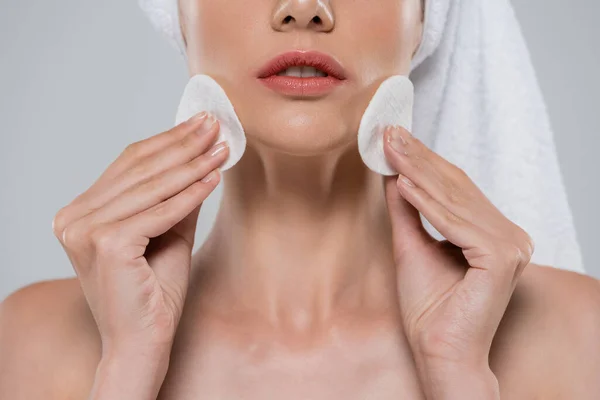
x=384, y=46
x=221, y=37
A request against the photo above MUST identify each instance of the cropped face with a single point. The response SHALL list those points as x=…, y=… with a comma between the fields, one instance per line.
x=300, y=113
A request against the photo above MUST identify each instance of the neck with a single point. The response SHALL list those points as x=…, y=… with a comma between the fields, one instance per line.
x=299, y=239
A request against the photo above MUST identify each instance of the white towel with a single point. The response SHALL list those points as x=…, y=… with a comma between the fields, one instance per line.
x=478, y=104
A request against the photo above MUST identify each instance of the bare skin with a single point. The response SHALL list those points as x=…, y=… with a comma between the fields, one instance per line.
x=546, y=348
x=284, y=300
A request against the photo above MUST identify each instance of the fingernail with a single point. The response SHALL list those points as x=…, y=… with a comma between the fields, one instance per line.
x=209, y=177
x=198, y=116
x=211, y=120
x=406, y=180
x=206, y=124
x=396, y=140
x=217, y=148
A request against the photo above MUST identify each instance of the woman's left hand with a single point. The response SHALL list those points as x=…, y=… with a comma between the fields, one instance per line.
x=452, y=293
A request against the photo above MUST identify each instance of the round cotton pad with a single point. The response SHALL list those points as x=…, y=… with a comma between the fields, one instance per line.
x=203, y=93
x=392, y=104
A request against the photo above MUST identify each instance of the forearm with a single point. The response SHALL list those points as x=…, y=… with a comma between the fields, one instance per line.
x=132, y=376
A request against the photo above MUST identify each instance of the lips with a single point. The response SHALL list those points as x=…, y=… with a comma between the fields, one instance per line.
x=315, y=59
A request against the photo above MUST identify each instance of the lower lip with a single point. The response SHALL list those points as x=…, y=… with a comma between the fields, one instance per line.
x=295, y=86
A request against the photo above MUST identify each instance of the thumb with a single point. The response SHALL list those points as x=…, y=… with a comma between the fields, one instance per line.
x=186, y=228
x=171, y=258
x=407, y=228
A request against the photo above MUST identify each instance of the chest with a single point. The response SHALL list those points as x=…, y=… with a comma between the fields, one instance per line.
x=205, y=370
x=372, y=372
x=290, y=384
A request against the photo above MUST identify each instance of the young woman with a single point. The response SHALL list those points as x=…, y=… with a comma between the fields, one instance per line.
x=318, y=279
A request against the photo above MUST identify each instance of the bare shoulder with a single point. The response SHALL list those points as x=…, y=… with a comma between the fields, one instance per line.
x=549, y=337
x=47, y=337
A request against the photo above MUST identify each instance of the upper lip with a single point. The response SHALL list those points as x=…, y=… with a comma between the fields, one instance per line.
x=316, y=59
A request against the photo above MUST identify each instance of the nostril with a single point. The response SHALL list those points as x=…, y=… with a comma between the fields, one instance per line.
x=317, y=20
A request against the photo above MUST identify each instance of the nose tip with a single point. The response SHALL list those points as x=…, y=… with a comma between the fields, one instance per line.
x=303, y=14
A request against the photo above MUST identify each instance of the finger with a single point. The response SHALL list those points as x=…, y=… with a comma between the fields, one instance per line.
x=494, y=263
x=146, y=147
x=157, y=220
x=159, y=188
x=129, y=239
x=143, y=149
x=454, y=228
x=407, y=228
x=186, y=228
x=170, y=254
x=179, y=152
x=447, y=184
x=444, y=181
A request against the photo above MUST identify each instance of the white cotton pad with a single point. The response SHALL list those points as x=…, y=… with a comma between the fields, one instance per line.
x=203, y=93
x=392, y=104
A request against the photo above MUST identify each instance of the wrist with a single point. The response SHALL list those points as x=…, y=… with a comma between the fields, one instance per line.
x=450, y=381
x=138, y=350
x=130, y=372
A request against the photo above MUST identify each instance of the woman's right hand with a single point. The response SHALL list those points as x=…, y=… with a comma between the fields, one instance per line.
x=130, y=236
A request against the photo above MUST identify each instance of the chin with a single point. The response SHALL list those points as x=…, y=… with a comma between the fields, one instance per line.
x=302, y=128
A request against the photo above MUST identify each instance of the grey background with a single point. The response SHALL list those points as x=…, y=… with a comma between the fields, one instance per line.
x=79, y=81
